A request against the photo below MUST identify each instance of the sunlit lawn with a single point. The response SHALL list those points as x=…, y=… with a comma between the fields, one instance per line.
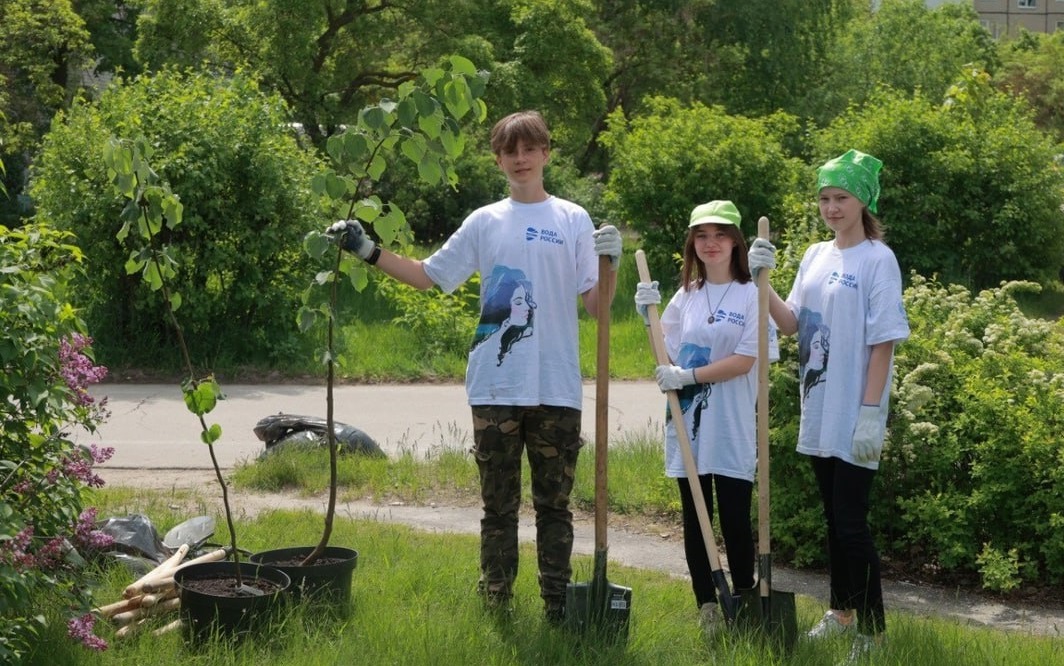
x=413, y=602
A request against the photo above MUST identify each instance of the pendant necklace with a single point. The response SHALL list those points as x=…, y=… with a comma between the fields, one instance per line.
x=712, y=312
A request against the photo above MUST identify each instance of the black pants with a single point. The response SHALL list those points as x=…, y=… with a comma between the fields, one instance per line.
x=852, y=554
x=733, y=500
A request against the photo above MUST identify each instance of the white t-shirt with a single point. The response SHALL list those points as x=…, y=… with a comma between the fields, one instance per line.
x=845, y=301
x=720, y=416
x=534, y=261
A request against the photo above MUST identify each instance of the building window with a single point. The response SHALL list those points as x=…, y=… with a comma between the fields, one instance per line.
x=1027, y=4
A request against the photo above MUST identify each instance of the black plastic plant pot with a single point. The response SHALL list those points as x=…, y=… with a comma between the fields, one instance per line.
x=213, y=605
x=327, y=580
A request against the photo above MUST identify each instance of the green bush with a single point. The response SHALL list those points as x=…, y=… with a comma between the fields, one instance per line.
x=971, y=188
x=673, y=158
x=227, y=152
x=45, y=368
x=972, y=475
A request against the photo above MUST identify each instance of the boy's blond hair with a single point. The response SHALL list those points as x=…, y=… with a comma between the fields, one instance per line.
x=527, y=126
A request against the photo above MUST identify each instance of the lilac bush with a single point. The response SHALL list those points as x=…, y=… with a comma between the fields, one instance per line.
x=46, y=367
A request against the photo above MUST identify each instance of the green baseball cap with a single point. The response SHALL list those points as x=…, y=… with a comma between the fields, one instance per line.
x=715, y=212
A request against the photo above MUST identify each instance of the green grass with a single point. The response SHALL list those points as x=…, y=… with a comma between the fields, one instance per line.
x=413, y=602
x=637, y=484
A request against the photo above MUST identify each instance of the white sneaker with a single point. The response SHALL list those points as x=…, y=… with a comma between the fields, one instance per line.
x=830, y=625
x=861, y=650
x=710, y=619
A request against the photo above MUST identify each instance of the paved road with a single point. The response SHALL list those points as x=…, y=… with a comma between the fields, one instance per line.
x=150, y=428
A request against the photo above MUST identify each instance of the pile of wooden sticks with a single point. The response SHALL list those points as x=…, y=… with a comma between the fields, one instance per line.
x=152, y=595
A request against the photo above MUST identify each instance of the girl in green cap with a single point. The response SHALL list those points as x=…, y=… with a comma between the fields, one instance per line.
x=711, y=332
x=846, y=307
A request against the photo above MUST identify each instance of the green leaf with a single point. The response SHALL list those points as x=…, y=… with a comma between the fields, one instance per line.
x=318, y=183
x=201, y=397
x=175, y=301
x=316, y=244
x=172, y=211
x=429, y=170
x=368, y=209
x=152, y=276
x=358, y=275
x=133, y=265
x=452, y=143
x=355, y=147
x=211, y=434
x=426, y=105
x=374, y=117
x=335, y=186
x=431, y=125
x=390, y=225
x=406, y=112
x=306, y=318
x=414, y=148
x=377, y=167
x=457, y=98
x=462, y=66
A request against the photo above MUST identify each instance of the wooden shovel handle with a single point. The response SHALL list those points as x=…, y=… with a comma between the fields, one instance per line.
x=763, y=545
x=602, y=388
x=657, y=343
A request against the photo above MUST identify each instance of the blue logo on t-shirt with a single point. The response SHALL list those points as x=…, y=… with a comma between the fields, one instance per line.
x=544, y=235
x=845, y=279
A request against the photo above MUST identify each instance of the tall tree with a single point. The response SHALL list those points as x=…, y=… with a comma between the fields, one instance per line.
x=904, y=46
x=43, y=49
x=329, y=58
x=659, y=49
x=764, y=54
x=1033, y=66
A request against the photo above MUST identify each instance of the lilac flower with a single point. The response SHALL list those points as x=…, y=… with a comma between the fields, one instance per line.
x=15, y=551
x=86, y=535
x=80, y=629
x=77, y=369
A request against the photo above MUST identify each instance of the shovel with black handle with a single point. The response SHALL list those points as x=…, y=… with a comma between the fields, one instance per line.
x=600, y=606
x=728, y=602
x=778, y=612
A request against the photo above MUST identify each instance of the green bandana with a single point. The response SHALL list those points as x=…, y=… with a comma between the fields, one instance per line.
x=855, y=172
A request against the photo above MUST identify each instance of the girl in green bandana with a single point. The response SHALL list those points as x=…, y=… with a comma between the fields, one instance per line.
x=846, y=304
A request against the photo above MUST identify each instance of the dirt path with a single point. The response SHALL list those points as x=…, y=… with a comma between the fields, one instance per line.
x=636, y=544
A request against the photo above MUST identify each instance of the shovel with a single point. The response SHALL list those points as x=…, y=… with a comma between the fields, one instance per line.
x=778, y=612
x=729, y=604
x=600, y=605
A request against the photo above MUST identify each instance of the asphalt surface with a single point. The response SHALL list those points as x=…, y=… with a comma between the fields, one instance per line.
x=150, y=427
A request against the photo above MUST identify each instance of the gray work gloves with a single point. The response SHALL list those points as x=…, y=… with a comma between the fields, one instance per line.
x=352, y=237
x=762, y=254
x=608, y=243
x=673, y=377
x=646, y=294
x=869, y=434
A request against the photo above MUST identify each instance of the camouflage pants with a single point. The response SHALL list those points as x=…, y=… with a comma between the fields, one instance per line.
x=552, y=438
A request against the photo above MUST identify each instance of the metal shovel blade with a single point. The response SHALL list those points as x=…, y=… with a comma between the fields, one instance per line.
x=778, y=610
x=194, y=532
x=600, y=606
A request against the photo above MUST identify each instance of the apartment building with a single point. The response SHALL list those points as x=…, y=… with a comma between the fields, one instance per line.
x=1003, y=17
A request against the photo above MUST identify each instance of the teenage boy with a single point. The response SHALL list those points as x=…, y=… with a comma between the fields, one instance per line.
x=535, y=254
